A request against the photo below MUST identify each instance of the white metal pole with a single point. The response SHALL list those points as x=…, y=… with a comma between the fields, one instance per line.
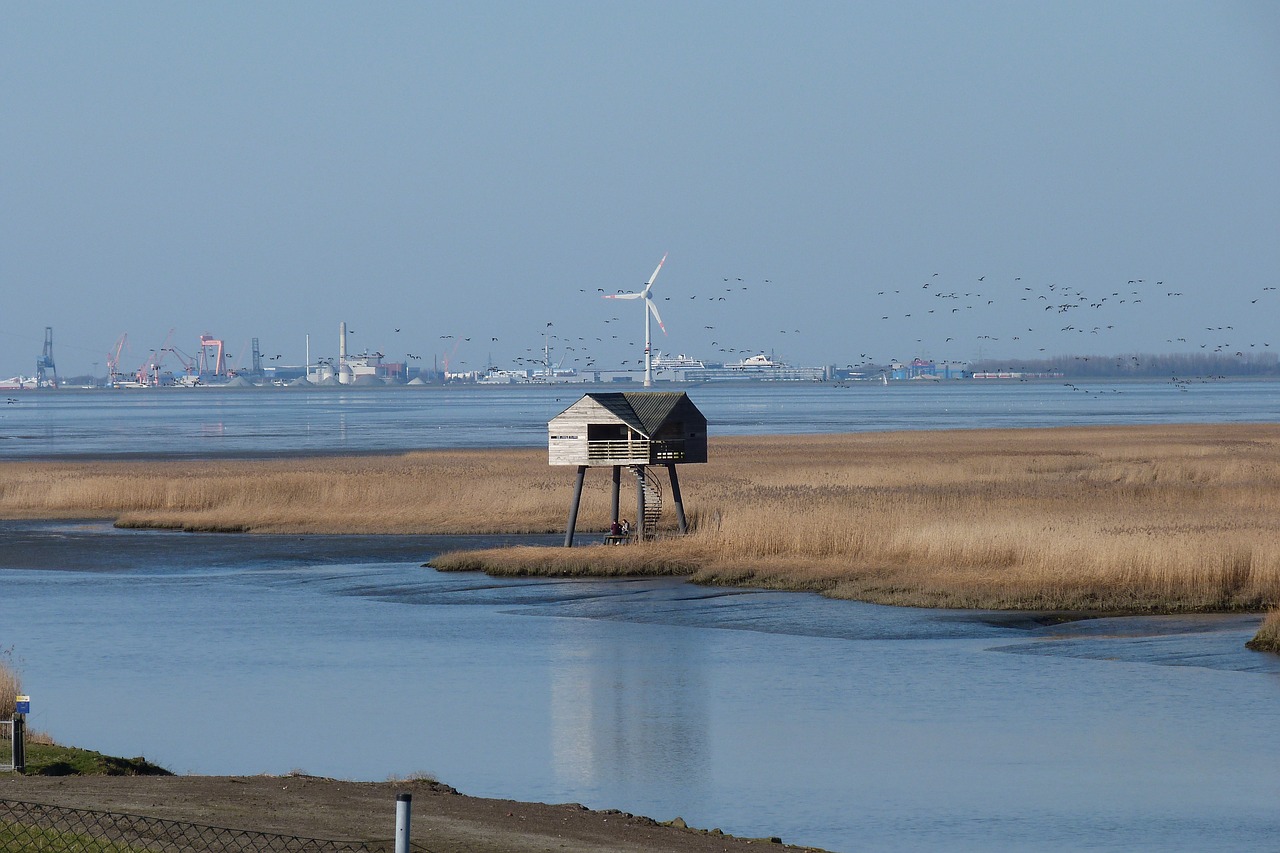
x=648, y=378
x=404, y=807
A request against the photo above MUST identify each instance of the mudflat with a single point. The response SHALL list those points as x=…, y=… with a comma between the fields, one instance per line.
x=310, y=807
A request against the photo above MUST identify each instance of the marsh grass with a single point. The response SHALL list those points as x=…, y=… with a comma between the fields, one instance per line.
x=441, y=492
x=1268, y=637
x=1146, y=518
x=10, y=688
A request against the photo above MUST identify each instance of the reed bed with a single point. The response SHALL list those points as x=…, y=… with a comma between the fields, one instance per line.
x=1117, y=519
x=441, y=492
x=1268, y=637
x=10, y=690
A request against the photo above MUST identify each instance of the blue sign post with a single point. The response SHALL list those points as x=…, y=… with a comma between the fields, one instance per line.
x=22, y=707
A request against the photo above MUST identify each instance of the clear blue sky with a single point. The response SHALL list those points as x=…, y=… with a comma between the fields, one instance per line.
x=480, y=169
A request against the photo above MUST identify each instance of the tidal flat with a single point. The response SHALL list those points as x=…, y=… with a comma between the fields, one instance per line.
x=1098, y=519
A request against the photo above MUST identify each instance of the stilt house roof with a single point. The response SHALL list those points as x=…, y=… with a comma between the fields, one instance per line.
x=628, y=428
x=644, y=411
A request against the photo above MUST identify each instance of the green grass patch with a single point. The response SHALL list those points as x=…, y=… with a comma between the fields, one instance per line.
x=16, y=836
x=56, y=760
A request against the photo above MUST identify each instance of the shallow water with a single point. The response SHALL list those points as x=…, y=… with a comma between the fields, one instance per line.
x=838, y=724
x=214, y=421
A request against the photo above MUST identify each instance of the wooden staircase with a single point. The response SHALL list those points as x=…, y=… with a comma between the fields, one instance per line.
x=652, y=487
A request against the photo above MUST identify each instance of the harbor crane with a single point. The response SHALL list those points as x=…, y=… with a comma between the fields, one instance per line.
x=46, y=373
x=189, y=366
x=113, y=360
x=217, y=364
x=149, y=371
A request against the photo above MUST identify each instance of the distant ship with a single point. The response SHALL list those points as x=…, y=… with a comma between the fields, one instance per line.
x=661, y=361
x=756, y=362
x=760, y=367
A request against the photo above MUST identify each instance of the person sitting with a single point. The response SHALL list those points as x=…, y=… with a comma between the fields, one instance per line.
x=615, y=529
x=625, y=528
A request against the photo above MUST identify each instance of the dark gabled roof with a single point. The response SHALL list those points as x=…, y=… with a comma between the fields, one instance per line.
x=616, y=403
x=643, y=411
x=654, y=407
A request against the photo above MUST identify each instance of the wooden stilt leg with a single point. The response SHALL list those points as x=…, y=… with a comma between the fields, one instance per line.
x=641, y=472
x=617, y=490
x=573, y=509
x=675, y=498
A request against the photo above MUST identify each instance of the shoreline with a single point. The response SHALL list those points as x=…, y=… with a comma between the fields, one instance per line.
x=364, y=812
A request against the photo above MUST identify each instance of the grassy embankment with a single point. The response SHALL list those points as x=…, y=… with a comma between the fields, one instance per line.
x=46, y=758
x=1119, y=519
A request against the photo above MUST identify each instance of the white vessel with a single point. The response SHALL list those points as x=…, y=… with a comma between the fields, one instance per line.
x=756, y=362
x=18, y=383
x=662, y=361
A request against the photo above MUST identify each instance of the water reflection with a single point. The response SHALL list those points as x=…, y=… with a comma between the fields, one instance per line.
x=624, y=714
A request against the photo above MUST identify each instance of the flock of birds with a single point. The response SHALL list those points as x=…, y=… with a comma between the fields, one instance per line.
x=1065, y=318
x=599, y=352
x=968, y=319
x=964, y=319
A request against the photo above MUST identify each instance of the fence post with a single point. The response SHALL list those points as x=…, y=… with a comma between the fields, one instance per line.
x=404, y=807
x=19, y=743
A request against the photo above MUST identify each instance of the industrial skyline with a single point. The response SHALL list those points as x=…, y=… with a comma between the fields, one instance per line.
x=265, y=171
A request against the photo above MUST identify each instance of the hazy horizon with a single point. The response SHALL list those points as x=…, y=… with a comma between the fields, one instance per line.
x=834, y=182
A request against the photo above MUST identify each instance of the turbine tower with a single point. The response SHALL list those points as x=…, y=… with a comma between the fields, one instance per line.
x=650, y=309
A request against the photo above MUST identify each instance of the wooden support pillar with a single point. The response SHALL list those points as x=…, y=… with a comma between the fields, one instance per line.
x=573, y=508
x=675, y=499
x=639, y=525
x=617, y=490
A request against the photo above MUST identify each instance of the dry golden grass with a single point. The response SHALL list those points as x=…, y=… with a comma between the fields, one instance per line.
x=1268, y=637
x=10, y=689
x=437, y=492
x=1099, y=518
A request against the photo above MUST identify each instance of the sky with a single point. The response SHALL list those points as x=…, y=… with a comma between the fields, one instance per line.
x=832, y=182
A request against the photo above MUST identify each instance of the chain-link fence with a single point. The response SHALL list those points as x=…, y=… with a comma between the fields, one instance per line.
x=32, y=827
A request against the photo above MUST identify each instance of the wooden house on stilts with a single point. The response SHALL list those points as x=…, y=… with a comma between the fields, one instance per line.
x=636, y=430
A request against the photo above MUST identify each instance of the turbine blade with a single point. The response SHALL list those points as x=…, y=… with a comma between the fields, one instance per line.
x=654, y=309
x=622, y=296
x=649, y=284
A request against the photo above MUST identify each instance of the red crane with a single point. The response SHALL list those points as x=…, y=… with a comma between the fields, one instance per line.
x=217, y=365
x=149, y=372
x=113, y=359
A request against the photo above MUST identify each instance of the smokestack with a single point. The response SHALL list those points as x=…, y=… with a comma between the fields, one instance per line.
x=342, y=343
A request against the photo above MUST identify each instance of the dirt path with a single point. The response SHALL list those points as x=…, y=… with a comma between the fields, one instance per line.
x=443, y=821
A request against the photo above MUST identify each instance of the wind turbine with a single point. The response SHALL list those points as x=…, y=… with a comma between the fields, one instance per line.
x=652, y=309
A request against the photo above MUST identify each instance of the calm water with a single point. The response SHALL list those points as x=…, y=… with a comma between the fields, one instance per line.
x=213, y=421
x=837, y=724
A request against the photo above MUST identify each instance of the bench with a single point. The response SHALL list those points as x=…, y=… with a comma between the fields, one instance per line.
x=619, y=538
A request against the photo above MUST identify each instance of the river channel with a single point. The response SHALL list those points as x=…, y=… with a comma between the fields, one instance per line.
x=837, y=724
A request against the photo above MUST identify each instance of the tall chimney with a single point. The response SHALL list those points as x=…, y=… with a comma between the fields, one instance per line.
x=342, y=343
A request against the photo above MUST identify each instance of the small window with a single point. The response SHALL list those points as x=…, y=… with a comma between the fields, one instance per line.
x=606, y=432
